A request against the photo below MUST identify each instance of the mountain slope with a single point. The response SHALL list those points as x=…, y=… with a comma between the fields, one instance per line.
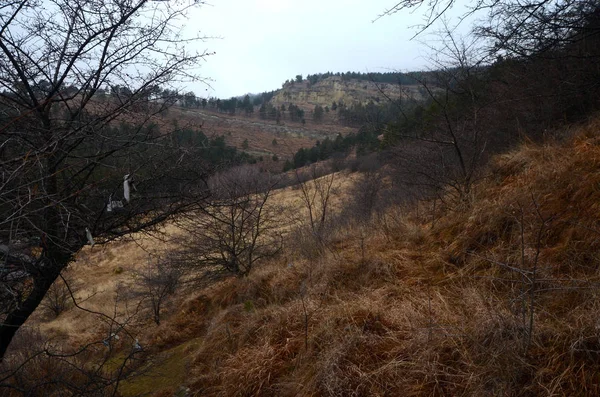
x=498, y=297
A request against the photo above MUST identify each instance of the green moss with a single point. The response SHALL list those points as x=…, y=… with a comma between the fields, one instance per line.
x=248, y=306
x=168, y=370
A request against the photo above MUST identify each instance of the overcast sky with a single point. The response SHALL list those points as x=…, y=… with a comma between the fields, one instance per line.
x=264, y=42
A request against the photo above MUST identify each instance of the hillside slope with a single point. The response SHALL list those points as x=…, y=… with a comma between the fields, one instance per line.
x=498, y=297
x=290, y=136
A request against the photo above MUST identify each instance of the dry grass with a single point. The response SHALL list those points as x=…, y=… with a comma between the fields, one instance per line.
x=425, y=311
x=259, y=133
x=423, y=315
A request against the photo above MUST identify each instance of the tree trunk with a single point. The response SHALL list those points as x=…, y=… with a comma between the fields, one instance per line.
x=17, y=317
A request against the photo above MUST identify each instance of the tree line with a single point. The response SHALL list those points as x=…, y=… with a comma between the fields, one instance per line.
x=408, y=78
x=364, y=141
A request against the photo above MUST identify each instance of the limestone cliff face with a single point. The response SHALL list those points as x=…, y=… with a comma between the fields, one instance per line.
x=335, y=89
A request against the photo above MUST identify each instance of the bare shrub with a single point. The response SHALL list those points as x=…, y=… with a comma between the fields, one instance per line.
x=315, y=195
x=59, y=297
x=365, y=194
x=237, y=228
x=158, y=280
x=34, y=365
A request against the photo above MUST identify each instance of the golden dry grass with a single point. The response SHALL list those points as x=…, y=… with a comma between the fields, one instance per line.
x=427, y=310
x=102, y=278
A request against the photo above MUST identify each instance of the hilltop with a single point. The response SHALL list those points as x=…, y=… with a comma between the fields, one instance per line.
x=304, y=112
x=299, y=115
x=349, y=91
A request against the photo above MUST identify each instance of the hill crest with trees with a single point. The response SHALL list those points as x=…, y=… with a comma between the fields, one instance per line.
x=358, y=88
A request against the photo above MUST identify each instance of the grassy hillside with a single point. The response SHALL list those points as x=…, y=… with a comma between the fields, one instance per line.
x=290, y=136
x=495, y=296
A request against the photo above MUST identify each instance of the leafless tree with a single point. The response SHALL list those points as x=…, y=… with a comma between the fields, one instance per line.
x=526, y=67
x=58, y=297
x=64, y=162
x=236, y=229
x=539, y=28
x=558, y=40
x=156, y=282
x=521, y=27
x=312, y=225
x=444, y=150
x=365, y=195
x=316, y=195
x=531, y=278
x=96, y=367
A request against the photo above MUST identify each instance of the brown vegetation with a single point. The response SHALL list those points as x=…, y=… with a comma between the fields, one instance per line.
x=290, y=136
x=430, y=312
x=498, y=298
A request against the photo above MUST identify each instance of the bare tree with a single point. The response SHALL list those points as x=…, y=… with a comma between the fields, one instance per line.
x=156, y=282
x=532, y=279
x=444, y=149
x=527, y=67
x=69, y=176
x=316, y=196
x=58, y=297
x=539, y=28
x=547, y=49
x=365, y=195
x=521, y=27
x=236, y=229
x=95, y=367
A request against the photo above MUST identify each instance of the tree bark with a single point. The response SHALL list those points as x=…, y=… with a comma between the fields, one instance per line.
x=19, y=316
